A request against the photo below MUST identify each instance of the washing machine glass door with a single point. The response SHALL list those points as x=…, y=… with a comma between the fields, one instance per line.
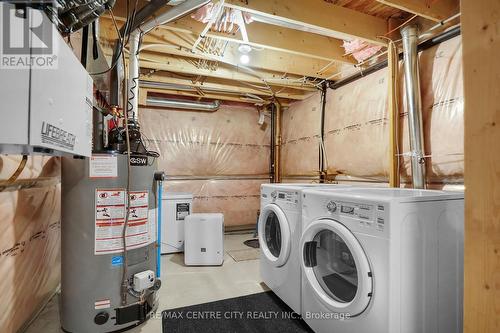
x=274, y=235
x=336, y=267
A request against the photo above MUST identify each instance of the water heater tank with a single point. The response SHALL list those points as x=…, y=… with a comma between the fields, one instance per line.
x=94, y=206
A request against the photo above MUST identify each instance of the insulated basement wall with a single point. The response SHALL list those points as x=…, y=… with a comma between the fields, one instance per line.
x=357, y=128
x=301, y=132
x=29, y=238
x=441, y=83
x=220, y=157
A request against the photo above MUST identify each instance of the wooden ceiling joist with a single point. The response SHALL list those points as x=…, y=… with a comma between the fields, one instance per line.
x=317, y=15
x=271, y=37
x=143, y=94
x=189, y=67
x=262, y=36
x=179, y=43
x=211, y=85
x=435, y=10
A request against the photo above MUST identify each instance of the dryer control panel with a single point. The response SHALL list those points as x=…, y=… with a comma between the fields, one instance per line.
x=289, y=199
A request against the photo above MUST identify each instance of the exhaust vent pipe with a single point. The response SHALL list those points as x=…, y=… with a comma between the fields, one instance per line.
x=414, y=104
x=174, y=13
x=145, y=21
x=183, y=105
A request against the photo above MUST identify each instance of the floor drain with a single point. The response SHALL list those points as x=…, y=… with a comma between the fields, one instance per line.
x=252, y=243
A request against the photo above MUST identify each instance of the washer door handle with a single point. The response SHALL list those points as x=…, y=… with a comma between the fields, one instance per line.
x=310, y=254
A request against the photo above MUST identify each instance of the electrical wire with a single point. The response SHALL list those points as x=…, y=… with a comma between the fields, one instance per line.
x=127, y=101
x=121, y=46
x=124, y=286
x=132, y=21
x=135, y=83
x=399, y=26
x=128, y=24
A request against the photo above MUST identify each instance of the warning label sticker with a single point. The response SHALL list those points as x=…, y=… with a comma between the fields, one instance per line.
x=138, y=198
x=103, y=166
x=182, y=210
x=109, y=212
x=110, y=197
x=102, y=304
x=110, y=215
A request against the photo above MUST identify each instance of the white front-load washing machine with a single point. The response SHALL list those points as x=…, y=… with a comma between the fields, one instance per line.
x=279, y=230
x=382, y=260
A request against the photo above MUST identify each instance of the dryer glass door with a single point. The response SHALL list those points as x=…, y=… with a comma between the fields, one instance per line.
x=336, y=267
x=274, y=235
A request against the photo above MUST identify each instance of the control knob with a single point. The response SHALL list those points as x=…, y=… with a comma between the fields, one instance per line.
x=331, y=206
x=101, y=318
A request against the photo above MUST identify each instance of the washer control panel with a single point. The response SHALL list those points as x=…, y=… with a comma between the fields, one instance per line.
x=367, y=215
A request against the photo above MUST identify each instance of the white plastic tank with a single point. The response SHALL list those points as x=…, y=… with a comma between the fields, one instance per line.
x=175, y=207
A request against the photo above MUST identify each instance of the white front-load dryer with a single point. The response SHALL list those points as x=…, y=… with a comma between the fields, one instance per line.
x=279, y=230
x=382, y=261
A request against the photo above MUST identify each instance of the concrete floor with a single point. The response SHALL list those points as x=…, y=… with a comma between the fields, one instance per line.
x=183, y=286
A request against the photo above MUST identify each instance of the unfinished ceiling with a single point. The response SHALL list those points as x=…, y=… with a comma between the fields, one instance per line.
x=290, y=51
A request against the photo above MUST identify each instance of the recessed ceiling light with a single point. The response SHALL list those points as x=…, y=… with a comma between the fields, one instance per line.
x=244, y=48
x=244, y=59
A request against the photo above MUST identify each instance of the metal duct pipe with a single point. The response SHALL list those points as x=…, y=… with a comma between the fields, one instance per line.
x=277, y=143
x=133, y=77
x=145, y=13
x=181, y=104
x=245, y=97
x=272, y=160
x=176, y=12
x=414, y=104
x=168, y=86
x=117, y=74
x=173, y=14
x=183, y=87
x=73, y=15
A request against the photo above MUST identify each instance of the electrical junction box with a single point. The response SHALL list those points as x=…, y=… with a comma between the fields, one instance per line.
x=144, y=280
x=46, y=94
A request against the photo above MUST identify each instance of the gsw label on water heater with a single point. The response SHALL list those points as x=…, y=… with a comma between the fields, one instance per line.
x=138, y=160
